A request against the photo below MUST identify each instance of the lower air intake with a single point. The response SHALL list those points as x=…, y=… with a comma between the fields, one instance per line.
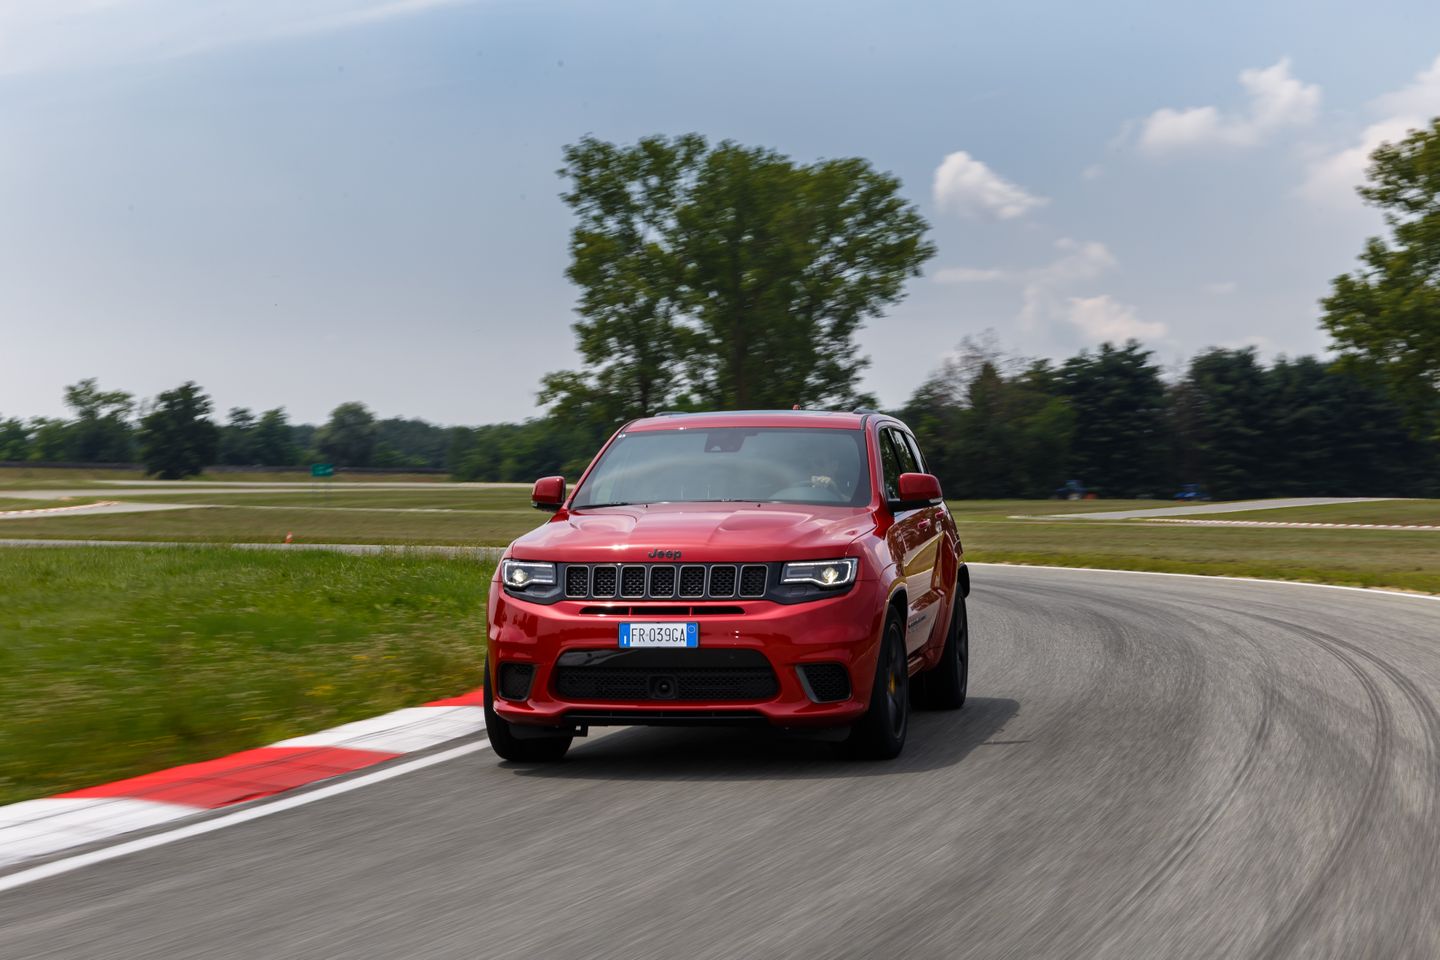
x=515, y=679
x=826, y=682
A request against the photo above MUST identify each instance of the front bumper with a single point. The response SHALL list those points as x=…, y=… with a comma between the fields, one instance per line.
x=844, y=629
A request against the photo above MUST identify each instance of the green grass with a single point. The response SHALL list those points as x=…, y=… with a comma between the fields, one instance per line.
x=1365, y=558
x=1425, y=512
x=1004, y=509
x=270, y=525
x=38, y=477
x=353, y=496
x=117, y=662
x=28, y=478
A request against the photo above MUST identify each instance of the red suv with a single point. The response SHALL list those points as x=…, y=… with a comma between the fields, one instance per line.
x=791, y=568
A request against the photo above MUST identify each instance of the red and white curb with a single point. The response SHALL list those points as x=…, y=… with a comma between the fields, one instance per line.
x=76, y=506
x=38, y=828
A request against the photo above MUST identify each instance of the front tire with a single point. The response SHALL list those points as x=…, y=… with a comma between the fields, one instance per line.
x=880, y=733
x=944, y=685
x=507, y=746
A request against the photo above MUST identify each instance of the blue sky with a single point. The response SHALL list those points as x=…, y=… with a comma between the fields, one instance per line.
x=300, y=203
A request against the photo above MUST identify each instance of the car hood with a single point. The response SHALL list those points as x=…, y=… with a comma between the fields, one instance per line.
x=700, y=532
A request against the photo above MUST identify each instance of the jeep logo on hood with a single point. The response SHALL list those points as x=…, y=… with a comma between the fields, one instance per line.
x=664, y=554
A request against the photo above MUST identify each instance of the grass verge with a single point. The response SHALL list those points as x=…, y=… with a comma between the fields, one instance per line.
x=270, y=525
x=1363, y=558
x=1421, y=512
x=118, y=662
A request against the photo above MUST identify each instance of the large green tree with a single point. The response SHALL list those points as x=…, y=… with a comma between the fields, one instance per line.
x=177, y=438
x=101, y=431
x=1386, y=315
x=274, y=443
x=726, y=276
x=349, y=436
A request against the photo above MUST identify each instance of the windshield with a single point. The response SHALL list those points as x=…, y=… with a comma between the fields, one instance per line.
x=763, y=464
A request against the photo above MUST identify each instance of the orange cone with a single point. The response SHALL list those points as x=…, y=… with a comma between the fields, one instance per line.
x=290, y=537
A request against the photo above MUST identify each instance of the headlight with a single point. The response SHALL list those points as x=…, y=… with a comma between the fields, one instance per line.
x=521, y=574
x=822, y=573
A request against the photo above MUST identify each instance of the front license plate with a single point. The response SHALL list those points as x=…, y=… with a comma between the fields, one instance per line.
x=659, y=635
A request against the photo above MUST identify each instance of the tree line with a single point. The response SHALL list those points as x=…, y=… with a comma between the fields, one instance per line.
x=1110, y=421
x=730, y=277
x=174, y=435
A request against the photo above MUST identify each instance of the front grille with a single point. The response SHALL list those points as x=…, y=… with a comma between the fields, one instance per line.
x=665, y=675
x=663, y=581
x=826, y=682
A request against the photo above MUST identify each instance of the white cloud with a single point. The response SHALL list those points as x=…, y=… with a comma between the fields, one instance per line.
x=1104, y=318
x=1052, y=295
x=1276, y=100
x=1092, y=172
x=969, y=275
x=45, y=35
x=1332, y=178
x=1222, y=288
x=968, y=187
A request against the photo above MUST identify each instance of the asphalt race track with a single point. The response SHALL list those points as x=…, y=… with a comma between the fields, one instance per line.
x=1149, y=766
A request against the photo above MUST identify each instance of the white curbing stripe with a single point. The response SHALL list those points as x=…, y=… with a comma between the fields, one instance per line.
x=35, y=828
x=401, y=731
x=75, y=506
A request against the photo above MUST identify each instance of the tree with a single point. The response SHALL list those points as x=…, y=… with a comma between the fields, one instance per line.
x=349, y=437
x=1231, y=422
x=728, y=277
x=1387, y=314
x=14, y=440
x=1118, y=401
x=177, y=439
x=237, y=438
x=991, y=425
x=274, y=444
x=100, y=432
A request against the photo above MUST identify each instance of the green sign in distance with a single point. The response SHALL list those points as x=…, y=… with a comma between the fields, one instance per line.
x=322, y=470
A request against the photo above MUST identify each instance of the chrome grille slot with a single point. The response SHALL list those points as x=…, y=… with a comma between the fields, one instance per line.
x=662, y=582
x=722, y=580
x=604, y=581
x=632, y=582
x=577, y=581
x=752, y=580
x=692, y=581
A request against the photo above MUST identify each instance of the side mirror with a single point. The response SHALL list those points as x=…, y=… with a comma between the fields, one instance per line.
x=548, y=493
x=916, y=490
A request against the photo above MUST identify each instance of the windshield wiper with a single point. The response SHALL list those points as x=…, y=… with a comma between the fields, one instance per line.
x=617, y=503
